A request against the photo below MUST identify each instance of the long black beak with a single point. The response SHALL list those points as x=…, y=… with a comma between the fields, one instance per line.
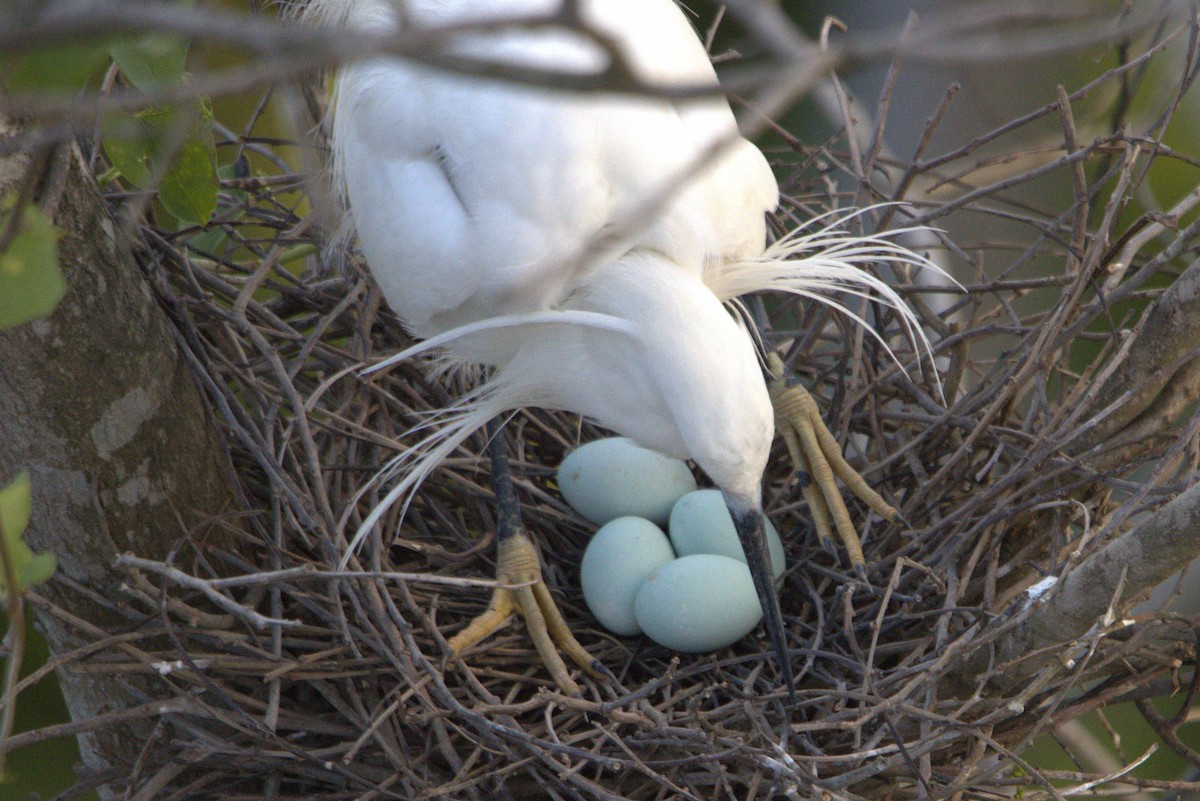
x=751, y=531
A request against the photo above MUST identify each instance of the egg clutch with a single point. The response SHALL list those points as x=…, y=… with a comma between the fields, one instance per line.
x=689, y=592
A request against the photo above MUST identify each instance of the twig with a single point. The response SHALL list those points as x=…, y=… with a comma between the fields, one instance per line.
x=128, y=560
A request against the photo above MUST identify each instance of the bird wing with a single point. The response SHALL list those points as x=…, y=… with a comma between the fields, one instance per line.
x=736, y=188
x=474, y=198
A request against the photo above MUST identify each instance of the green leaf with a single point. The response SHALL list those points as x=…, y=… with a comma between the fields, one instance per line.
x=151, y=62
x=16, y=506
x=127, y=146
x=234, y=169
x=38, y=569
x=31, y=282
x=190, y=187
x=54, y=69
x=137, y=144
x=210, y=242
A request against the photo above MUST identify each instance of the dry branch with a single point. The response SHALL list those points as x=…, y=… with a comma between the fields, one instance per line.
x=926, y=683
x=1109, y=581
x=1160, y=375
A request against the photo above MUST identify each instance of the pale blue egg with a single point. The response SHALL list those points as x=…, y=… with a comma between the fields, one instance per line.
x=611, y=478
x=700, y=523
x=615, y=565
x=698, y=603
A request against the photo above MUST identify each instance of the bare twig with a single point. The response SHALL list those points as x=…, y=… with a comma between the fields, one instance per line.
x=184, y=580
x=927, y=681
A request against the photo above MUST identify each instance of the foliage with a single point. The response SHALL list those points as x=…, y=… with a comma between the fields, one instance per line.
x=31, y=285
x=55, y=69
x=25, y=567
x=170, y=148
x=166, y=146
x=31, y=282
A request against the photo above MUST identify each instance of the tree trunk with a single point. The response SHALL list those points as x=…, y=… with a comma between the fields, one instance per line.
x=97, y=403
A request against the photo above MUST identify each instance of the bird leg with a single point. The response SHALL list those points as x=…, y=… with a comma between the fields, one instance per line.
x=521, y=590
x=817, y=458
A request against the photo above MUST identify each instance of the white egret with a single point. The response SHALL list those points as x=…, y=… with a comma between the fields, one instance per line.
x=514, y=227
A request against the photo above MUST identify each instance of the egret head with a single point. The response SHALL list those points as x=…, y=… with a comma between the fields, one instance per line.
x=707, y=372
x=730, y=439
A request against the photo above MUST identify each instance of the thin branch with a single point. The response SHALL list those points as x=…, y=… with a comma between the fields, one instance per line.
x=177, y=576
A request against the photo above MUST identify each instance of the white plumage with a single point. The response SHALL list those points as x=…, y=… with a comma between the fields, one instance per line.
x=517, y=227
x=473, y=198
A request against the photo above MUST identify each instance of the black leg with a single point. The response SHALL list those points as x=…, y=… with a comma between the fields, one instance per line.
x=508, y=508
x=521, y=590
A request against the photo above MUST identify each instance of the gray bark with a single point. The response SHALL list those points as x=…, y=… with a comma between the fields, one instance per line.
x=1156, y=383
x=1119, y=575
x=96, y=402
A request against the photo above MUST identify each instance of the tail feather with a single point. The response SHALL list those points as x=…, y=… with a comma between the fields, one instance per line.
x=492, y=349
x=450, y=427
x=834, y=264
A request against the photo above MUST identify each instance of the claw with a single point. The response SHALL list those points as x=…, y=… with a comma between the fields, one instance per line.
x=523, y=592
x=818, y=459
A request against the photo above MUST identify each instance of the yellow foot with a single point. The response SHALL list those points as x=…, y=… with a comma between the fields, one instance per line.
x=523, y=592
x=817, y=457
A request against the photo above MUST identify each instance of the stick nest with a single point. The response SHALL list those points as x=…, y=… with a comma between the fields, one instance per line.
x=292, y=682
